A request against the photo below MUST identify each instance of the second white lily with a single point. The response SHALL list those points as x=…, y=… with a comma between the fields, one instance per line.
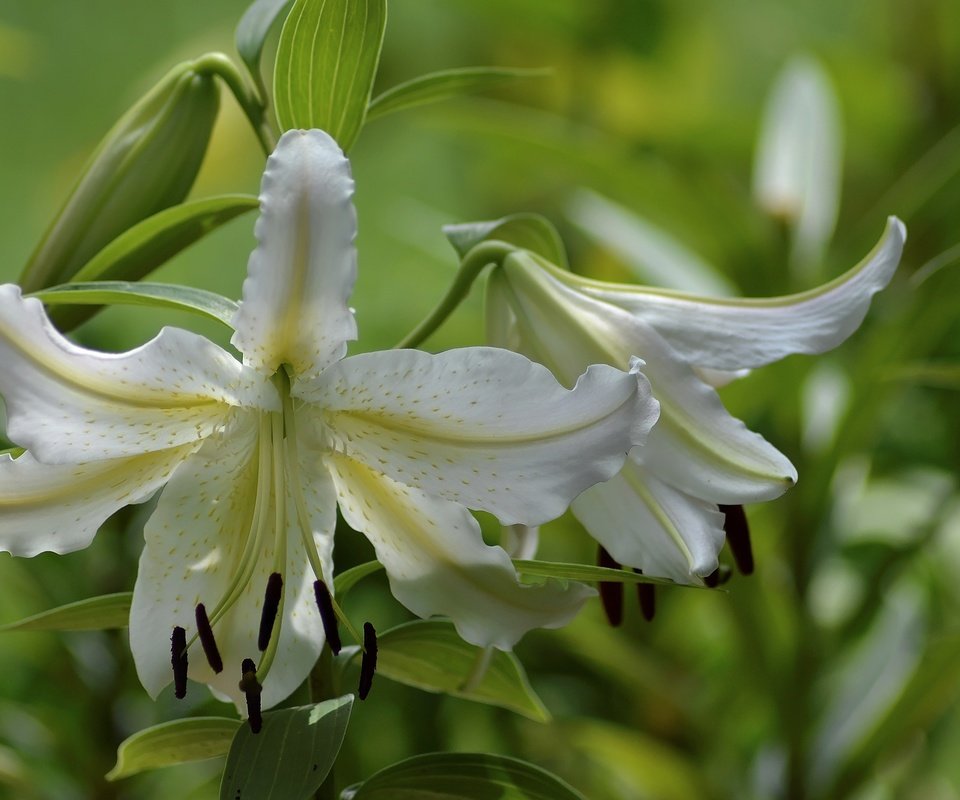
x=661, y=514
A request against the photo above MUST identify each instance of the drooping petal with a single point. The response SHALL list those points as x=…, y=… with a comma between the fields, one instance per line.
x=194, y=544
x=437, y=561
x=294, y=308
x=59, y=507
x=645, y=523
x=733, y=334
x=484, y=427
x=67, y=404
x=697, y=445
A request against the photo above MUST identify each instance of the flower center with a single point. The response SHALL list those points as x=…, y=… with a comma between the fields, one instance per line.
x=279, y=482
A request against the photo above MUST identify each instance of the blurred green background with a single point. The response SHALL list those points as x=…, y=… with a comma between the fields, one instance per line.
x=830, y=673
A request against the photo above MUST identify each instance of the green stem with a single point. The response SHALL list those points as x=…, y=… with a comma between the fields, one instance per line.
x=220, y=65
x=474, y=262
x=322, y=688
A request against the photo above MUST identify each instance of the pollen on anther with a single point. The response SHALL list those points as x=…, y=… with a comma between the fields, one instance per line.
x=178, y=659
x=271, y=605
x=368, y=664
x=611, y=592
x=207, y=642
x=251, y=689
x=647, y=595
x=737, y=529
x=327, y=615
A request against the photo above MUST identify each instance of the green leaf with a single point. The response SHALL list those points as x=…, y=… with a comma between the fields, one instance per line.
x=436, y=86
x=463, y=776
x=349, y=578
x=582, y=572
x=292, y=754
x=156, y=295
x=172, y=743
x=944, y=375
x=430, y=655
x=252, y=32
x=527, y=231
x=92, y=614
x=930, y=692
x=619, y=756
x=138, y=251
x=326, y=63
x=148, y=244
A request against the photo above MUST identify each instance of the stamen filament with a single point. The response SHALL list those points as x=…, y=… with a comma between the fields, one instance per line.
x=251, y=546
x=278, y=432
x=303, y=518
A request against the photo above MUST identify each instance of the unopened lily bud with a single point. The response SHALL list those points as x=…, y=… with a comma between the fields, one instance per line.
x=146, y=163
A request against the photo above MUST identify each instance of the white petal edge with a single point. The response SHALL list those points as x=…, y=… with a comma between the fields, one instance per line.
x=696, y=445
x=744, y=333
x=67, y=404
x=295, y=298
x=193, y=541
x=645, y=523
x=438, y=564
x=59, y=507
x=484, y=427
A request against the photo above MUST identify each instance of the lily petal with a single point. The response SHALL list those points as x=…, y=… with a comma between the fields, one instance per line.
x=194, y=542
x=733, y=334
x=484, y=427
x=300, y=277
x=58, y=508
x=697, y=445
x=437, y=561
x=67, y=404
x=645, y=523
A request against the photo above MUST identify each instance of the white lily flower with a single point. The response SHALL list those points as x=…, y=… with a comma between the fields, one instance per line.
x=660, y=514
x=255, y=456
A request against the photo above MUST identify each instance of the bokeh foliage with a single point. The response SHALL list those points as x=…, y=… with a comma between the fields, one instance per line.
x=831, y=671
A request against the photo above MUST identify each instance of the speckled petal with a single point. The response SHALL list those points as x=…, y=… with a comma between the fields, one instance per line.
x=194, y=540
x=643, y=522
x=67, y=404
x=437, y=561
x=59, y=507
x=294, y=308
x=484, y=427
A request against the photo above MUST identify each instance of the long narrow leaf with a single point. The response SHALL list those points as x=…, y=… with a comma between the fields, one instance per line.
x=156, y=295
x=92, y=614
x=437, y=86
x=583, y=572
x=252, y=32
